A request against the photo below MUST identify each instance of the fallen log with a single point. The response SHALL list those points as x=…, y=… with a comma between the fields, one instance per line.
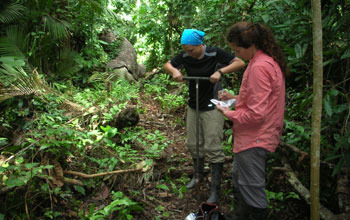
x=304, y=192
x=343, y=192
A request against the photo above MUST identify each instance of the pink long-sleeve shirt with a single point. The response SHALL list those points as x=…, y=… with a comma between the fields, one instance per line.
x=258, y=116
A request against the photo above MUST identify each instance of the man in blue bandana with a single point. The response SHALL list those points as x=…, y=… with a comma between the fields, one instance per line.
x=200, y=60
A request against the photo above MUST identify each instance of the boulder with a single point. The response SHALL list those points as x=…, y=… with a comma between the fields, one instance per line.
x=123, y=73
x=141, y=69
x=126, y=59
x=108, y=37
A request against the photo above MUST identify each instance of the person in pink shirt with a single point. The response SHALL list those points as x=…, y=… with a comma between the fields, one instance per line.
x=258, y=114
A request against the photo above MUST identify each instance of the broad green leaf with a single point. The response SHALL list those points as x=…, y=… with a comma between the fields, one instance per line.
x=16, y=181
x=112, y=132
x=334, y=92
x=327, y=107
x=12, y=61
x=346, y=55
x=166, y=214
x=155, y=147
x=149, y=162
x=163, y=186
x=30, y=165
x=332, y=157
x=341, y=108
x=91, y=209
x=347, y=159
x=338, y=167
x=79, y=189
x=160, y=208
x=44, y=146
x=300, y=50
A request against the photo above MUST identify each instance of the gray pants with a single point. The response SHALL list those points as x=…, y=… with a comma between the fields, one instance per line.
x=249, y=176
x=211, y=125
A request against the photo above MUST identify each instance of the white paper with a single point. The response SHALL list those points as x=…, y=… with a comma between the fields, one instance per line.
x=226, y=103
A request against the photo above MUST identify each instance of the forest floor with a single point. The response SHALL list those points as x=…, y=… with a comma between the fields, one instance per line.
x=160, y=191
x=176, y=162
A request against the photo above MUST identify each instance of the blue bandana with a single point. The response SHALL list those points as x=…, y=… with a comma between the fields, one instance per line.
x=192, y=37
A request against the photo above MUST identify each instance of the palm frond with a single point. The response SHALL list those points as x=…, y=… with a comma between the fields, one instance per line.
x=93, y=5
x=8, y=63
x=98, y=77
x=16, y=35
x=9, y=47
x=113, y=15
x=113, y=75
x=57, y=29
x=101, y=9
x=13, y=47
x=11, y=13
x=19, y=82
x=105, y=77
x=30, y=83
x=67, y=63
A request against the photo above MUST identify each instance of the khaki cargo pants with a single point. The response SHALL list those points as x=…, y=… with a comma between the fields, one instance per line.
x=211, y=125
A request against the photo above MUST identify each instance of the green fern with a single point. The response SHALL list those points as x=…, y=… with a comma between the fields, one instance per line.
x=11, y=13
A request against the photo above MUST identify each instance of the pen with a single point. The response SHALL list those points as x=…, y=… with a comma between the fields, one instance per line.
x=222, y=92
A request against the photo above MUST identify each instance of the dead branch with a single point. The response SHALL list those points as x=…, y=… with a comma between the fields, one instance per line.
x=72, y=181
x=293, y=148
x=18, y=153
x=113, y=154
x=59, y=178
x=83, y=175
x=145, y=201
x=280, y=169
x=343, y=192
x=302, y=154
x=6, y=189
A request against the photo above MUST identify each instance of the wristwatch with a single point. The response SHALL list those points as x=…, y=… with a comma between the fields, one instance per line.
x=220, y=71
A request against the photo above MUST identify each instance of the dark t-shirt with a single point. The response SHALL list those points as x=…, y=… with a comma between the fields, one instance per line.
x=213, y=59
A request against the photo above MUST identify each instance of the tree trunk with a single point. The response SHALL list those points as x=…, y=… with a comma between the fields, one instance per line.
x=316, y=109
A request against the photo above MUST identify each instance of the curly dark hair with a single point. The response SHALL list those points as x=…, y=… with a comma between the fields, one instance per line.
x=245, y=34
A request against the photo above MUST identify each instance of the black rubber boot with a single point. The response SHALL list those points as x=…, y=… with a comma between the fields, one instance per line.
x=259, y=214
x=216, y=172
x=198, y=174
x=242, y=209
